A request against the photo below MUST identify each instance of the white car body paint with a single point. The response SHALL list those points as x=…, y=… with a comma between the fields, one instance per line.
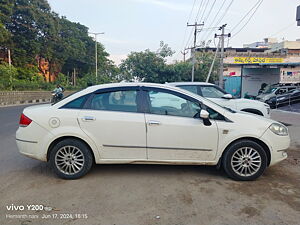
x=175, y=140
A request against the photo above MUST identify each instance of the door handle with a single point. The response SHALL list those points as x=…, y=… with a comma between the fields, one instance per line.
x=88, y=118
x=153, y=122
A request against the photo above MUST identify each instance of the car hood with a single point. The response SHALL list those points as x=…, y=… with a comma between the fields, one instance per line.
x=250, y=120
x=263, y=96
x=245, y=100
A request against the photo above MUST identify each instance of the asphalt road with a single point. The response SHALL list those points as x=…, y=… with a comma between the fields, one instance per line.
x=146, y=194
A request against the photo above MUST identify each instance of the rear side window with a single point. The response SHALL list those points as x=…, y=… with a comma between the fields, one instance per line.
x=76, y=104
x=191, y=88
x=124, y=101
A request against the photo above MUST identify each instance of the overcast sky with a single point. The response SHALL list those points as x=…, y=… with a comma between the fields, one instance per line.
x=135, y=25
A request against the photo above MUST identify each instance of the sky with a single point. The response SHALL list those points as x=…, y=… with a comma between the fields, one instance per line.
x=136, y=25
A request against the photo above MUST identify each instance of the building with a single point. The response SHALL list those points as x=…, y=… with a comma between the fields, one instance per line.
x=247, y=68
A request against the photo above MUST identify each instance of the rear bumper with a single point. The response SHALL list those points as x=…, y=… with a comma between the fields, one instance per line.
x=32, y=141
x=31, y=149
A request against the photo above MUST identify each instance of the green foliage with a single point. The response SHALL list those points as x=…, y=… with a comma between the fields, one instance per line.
x=202, y=66
x=29, y=73
x=151, y=66
x=31, y=30
x=144, y=66
x=7, y=75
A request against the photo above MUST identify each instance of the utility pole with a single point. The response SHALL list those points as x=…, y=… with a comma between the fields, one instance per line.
x=96, y=54
x=193, y=50
x=184, y=52
x=213, y=62
x=9, y=64
x=222, y=38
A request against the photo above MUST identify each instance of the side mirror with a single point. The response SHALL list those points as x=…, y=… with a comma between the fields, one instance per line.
x=227, y=96
x=205, y=116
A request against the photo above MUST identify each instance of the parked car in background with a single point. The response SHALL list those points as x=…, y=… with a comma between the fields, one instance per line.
x=219, y=96
x=288, y=98
x=148, y=124
x=274, y=90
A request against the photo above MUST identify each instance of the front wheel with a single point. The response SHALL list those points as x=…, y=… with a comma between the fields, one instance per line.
x=245, y=160
x=71, y=159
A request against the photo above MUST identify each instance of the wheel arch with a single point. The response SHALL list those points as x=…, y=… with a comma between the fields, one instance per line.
x=254, y=111
x=59, y=139
x=258, y=141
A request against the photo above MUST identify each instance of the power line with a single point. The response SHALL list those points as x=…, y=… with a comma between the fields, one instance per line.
x=191, y=12
x=196, y=25
x=197, y=16
x=224, y=14
x=220, y=18
x=245, y=15
x=248, y=19
x=204, y=10
x=283, y=29
x=210, y=10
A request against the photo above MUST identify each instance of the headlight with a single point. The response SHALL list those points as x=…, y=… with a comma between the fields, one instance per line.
x=279, y=129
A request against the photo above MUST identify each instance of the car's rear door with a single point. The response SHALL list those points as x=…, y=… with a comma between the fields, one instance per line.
x=113, y=119
x=173, y=130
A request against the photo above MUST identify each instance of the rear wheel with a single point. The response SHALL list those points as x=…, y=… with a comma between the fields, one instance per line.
x=71, y=159
x=245, y=160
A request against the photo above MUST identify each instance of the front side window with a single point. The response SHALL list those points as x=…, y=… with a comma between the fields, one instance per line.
x=164, y=103
x=124, y=101
x=191, y=88
x=211, y=92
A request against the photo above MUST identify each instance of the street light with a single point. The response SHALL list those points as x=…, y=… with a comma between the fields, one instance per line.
x=96, y=53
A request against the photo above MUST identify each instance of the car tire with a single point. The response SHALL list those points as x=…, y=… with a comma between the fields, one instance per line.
x=245, y=160
x=71, y=159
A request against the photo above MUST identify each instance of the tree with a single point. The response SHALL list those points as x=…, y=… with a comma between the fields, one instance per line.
x=202, y=66
x=39, y=37
x=147, y=66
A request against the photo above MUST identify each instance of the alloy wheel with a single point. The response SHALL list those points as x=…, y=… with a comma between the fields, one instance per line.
x=246, y=161
x=69, y=160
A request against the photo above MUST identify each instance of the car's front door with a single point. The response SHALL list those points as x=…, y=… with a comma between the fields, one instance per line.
x=174, y=131
x=113, y=120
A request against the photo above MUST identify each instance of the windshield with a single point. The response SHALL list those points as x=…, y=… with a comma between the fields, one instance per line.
x=212, y=92
x=269, y=90
x=226, y=108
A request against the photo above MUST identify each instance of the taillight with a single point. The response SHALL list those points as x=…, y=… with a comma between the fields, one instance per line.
x=24, y=121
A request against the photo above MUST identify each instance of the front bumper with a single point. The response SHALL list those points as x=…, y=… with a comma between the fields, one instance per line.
x=277, y=145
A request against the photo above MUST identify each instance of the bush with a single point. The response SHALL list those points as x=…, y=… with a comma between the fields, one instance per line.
x=7, y=75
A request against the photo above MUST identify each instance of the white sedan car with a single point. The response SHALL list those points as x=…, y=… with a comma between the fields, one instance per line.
x=219, y=96
x=148, y=123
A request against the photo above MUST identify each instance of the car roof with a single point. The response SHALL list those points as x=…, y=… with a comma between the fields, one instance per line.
x=189, y=83
x=126, y=84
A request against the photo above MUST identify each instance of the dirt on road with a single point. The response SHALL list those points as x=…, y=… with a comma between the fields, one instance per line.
x=153, y=194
